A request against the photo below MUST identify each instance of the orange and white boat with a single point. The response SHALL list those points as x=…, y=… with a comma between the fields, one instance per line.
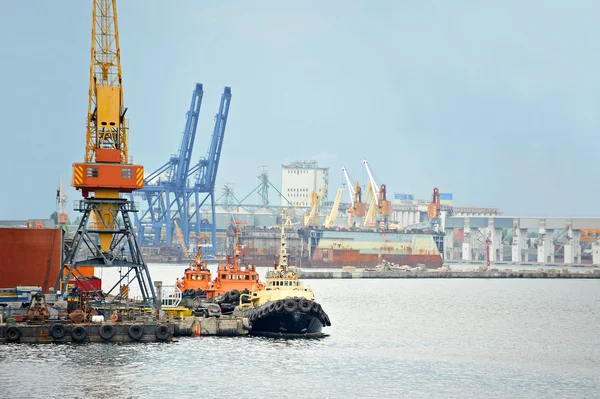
x=232, y=277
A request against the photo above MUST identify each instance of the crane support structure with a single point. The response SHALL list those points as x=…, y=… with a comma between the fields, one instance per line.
x=106, y=229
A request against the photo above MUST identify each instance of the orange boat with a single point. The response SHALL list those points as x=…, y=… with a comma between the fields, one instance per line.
x=197, y=277
x=231, y=277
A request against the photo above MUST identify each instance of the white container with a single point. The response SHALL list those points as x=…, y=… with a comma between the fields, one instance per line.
x=97, y=319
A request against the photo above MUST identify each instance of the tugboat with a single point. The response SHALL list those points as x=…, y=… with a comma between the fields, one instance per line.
x=197, y=277
x=232, y=280
x=284, y=307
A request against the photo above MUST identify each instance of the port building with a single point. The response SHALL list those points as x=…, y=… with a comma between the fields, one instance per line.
x=300, y=178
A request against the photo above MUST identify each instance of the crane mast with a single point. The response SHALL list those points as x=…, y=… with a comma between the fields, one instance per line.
x=106, y=230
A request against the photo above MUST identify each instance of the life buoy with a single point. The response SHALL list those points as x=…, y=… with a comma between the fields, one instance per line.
x=107, y=331
x=162, y=332
x=79, y=333
x=135, y=332
x=57, y=331
x=114, y=317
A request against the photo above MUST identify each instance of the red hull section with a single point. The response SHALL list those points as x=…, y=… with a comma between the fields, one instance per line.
x=30, y=257
x=353, y=257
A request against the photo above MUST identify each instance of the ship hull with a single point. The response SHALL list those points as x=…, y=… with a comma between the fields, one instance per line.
x=333, y=248
x=275, y=320
x=296, y=324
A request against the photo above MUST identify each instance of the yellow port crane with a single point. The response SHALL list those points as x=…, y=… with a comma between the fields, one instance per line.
x=106, y=171
x=312, y=218
x=330, y=220
x=106, y=229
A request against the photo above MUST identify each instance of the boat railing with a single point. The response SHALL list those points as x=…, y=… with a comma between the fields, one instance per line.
x=171, y=296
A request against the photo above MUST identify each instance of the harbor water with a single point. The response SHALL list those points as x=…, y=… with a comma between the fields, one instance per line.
x=416, y=338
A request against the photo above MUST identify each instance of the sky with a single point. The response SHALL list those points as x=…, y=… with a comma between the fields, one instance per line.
x=495, y=102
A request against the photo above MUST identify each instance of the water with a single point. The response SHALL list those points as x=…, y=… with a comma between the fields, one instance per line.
x=389, y=339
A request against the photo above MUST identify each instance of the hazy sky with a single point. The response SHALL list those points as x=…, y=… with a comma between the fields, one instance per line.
x=496, y=102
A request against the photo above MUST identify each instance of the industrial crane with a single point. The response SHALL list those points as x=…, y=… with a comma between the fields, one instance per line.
x=330, y=219
x=384, y=206
x=106, y=172
x=164, y=189
x=358, y=207
x=205, y=172
x=311, y=219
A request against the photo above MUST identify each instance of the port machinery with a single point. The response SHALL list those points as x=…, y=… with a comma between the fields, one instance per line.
x=106, y=229
x=167, y=193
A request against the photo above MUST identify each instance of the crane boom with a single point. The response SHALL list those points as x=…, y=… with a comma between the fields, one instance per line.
x=330, y=220
x=350, y=187
x=374, y=186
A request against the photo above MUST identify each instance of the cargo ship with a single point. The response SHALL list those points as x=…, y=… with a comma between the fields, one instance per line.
x=366, y=248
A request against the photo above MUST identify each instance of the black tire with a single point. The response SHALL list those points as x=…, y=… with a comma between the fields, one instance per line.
x=272, y=307
x=279, y=306
x=327, y=321
x=304, y=305
x=12, y=334
x=58, y=331
x=107, y=331
x=315, y=307
x=185, y=292
x=234, y=294
x=192, y=292
x=135, y=332
x=162, y=332
x=79, y=333
x=264, y=311
x=290, y=305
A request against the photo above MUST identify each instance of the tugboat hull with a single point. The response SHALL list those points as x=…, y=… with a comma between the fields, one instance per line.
x=292, y=317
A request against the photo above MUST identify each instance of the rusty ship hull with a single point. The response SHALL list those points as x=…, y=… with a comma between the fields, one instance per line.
x=314, y=247
x=363, y=248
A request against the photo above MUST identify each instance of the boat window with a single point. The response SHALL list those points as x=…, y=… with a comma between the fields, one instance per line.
x=203, y=276
x=193, y=276
x=224, y=276
x=246, y=277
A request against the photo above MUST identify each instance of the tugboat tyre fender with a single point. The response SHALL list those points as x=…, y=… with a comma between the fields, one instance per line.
x=290, y=305
x=264, y=311
x=135, y=332
x=272, y=307
x=79, y=333
x=234, y=293
x=279, y=306
x=162, y=332
x=107, y=331
x=57, y=331
x=12, y=334
x=304, y=305
x=192, y=292
x=315, y=307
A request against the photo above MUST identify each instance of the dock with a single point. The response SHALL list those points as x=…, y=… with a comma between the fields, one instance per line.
x=491, y=273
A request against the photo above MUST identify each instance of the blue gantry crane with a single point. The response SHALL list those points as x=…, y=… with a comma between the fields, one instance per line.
x=205, y=172
x=167, y=192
